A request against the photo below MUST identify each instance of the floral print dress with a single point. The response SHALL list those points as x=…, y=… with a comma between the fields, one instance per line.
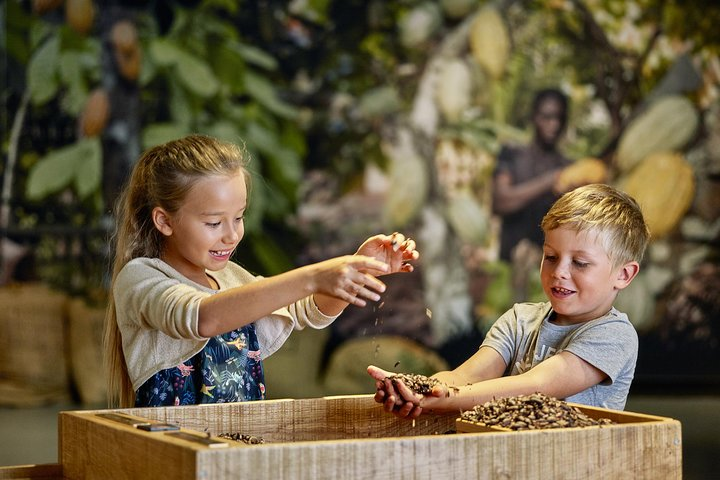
x=228, y=369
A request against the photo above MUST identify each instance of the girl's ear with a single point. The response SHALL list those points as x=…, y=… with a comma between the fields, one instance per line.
x=626, y=273
x=162, y=222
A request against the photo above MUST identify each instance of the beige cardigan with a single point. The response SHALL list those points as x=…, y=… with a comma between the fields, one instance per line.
x=157, y=314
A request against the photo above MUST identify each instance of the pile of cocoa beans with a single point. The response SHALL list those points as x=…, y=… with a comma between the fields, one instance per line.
x=530, y=412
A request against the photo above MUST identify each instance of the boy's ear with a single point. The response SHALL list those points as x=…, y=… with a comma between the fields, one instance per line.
x=161, y=219
x=626, y=273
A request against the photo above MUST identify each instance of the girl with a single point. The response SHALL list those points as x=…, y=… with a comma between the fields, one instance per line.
x=184, y=324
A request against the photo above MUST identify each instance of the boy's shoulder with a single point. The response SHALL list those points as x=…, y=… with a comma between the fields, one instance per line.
x=615, y=322
x=531, y=309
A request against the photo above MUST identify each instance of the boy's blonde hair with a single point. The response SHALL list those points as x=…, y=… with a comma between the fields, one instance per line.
x=614, y=215
x=162, y=177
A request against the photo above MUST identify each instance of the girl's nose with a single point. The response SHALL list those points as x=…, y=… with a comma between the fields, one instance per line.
x=230, y=235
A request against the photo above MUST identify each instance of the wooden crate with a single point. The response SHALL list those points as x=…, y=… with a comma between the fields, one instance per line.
x=351, y=437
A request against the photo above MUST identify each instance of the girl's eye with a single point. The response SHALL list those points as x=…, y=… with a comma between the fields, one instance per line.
x=240, y=219
x=550, y=258
x=213, y=224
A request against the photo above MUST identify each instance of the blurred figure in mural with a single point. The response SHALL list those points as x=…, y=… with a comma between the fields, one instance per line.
x=524, y=181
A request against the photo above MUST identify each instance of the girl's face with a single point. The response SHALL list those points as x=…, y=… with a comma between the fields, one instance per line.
x=578, y=276
x=203, y=234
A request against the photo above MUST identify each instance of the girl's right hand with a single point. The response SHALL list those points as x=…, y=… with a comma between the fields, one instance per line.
x=345, y=278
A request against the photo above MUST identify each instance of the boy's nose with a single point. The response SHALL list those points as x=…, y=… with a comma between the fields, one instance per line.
x=562, y=270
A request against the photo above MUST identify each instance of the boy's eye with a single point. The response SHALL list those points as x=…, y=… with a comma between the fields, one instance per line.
x=550, y=258
x=213, y=224
x=580, y=264
x=240, y=218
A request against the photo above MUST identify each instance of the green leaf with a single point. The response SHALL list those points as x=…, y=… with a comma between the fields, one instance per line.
x=225, y=130
x=196, y=75
x=285, y=167
x=264, y=139
x=159, y=133
x=314, y=10
x=270, y=255
x=284, y=164
x=88, y=176
x=257, y=202
x=164, y=52
x=71, y=76
x=180, y=104
x=294, y=137
x=60, y=168
x=277, y=203
x=229, y=66
x=257, y=57
x=42, y=72
x=262, y=90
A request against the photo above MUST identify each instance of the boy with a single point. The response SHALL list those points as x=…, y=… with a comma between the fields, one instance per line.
x=576, y=346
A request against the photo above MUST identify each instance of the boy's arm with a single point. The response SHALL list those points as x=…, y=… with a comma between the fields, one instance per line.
x=559, y=376
x=485, y=364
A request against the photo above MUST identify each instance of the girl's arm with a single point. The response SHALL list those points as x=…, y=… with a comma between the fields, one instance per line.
x=334, y=283
x=341, y=278
x=559, y=376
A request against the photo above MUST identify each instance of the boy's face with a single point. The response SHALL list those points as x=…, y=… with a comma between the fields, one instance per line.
x=204, y=232
x=578, y=276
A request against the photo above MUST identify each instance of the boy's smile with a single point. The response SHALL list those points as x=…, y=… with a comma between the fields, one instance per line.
x=203, y=234
x=578, y=276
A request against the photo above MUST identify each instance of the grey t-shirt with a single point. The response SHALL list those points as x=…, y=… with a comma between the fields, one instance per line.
x=524, y=337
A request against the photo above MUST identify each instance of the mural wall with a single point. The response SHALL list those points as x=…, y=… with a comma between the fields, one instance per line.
x=363, y=117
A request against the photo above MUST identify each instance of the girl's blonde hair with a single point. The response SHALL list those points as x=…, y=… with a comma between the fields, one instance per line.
x=162, y=177
x=614, y=215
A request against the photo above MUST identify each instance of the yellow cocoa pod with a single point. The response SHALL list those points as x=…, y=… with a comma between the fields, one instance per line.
x=664, y=186
x=667, y=125
x=469, y=219
x=490, y=41
x=409, y=182
x=453, y=91
x=80, y=15
x=582, y=172
x=95, y=115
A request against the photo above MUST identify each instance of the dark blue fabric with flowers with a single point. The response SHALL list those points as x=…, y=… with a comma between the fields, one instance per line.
x=228, y=369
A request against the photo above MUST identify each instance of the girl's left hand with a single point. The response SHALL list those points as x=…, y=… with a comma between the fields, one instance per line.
x=394, y=250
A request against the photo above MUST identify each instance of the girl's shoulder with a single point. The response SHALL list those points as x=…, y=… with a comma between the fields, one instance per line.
x=148, y=266
x=143, y=268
